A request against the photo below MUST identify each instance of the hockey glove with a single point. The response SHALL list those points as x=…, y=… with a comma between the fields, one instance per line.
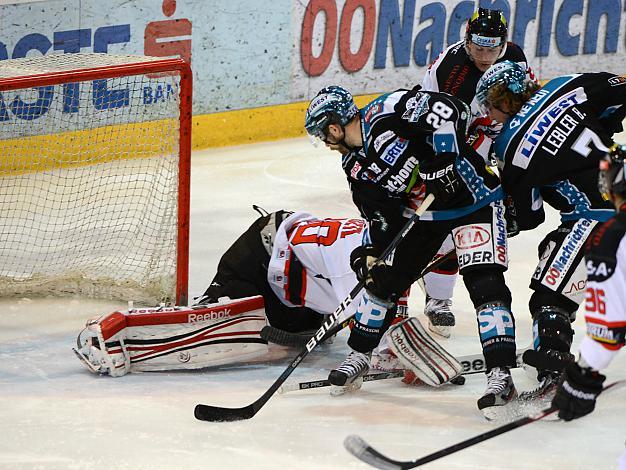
x=362, y=259
x=510, y=216
x=440, y=176
x=577, y=391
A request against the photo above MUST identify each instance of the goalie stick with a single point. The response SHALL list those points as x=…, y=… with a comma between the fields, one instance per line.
x=328, y=328
x=472, y=364
x=357, y=446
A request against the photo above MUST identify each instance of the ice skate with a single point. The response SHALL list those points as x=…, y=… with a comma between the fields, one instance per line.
x=440, y=316
x=500, y=391
x=349, y=375
x=545, y=390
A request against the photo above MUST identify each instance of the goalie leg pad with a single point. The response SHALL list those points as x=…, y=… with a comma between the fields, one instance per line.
x=421, y=354
x=174, y=338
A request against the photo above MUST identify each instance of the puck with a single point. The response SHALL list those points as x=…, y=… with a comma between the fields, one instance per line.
x=459, y=380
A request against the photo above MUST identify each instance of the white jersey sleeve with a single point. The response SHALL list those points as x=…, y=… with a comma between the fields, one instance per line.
x=605, y=308
x=310, y=262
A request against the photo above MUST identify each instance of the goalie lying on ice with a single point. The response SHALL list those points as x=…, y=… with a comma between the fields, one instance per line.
x=287, y=269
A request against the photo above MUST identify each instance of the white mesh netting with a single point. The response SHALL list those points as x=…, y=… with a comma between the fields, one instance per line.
x=89, y=182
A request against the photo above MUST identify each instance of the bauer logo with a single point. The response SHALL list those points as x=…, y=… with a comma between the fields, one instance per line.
x=200, y=317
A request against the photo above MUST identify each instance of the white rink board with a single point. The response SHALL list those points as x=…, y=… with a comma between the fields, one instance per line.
x=56, y=415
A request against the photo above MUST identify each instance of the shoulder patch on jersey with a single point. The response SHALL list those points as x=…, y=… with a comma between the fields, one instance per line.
x=382, y=138
x=617, y=81
x=416, y=106
x=372, y=111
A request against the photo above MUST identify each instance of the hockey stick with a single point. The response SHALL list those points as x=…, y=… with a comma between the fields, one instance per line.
x=472, y=364
x=298, y=340
x=328, y=328
x=357, y=446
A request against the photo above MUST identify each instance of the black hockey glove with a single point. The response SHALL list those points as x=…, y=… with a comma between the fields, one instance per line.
x=361, y=260
x=577, y=392
x=440, y=176
x=510, y=216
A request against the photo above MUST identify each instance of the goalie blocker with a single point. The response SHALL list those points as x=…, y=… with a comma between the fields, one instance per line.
x=172, y=338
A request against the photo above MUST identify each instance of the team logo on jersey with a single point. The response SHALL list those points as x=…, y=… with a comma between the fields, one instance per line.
x=372, y=111
x=617, y=81
x=416, y=106
x=394, y=151
x=382, y=138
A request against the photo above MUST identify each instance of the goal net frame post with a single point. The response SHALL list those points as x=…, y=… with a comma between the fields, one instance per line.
x=153, y=66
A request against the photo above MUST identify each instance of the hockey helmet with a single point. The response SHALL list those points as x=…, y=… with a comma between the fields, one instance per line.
x=486, y=28
x=612, y=176
x=332, y=105
x=510, y=73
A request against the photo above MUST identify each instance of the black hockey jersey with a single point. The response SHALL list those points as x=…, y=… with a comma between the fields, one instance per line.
x=401, y=129
x=550, y=149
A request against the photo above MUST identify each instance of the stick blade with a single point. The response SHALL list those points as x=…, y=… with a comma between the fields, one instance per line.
x=219, y=414
x=364, y=452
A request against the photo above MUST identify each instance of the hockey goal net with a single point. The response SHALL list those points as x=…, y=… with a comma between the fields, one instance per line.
x=94, y=177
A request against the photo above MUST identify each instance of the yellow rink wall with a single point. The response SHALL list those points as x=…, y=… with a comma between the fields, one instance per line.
x=88, y=147
x=254, y=125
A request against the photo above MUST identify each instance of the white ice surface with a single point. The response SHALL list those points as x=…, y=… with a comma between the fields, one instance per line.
x=54, y=414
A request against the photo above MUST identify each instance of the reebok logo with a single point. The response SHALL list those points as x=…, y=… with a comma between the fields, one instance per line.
x=198, y=317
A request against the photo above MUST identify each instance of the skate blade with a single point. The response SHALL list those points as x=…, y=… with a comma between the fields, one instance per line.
x=443, y=331
x=517, y=409
x=338, y=390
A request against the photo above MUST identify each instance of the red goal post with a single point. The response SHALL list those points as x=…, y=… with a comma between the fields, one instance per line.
x=95, y=176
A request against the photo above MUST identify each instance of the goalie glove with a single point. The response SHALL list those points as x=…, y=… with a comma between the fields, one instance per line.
x=577, y=391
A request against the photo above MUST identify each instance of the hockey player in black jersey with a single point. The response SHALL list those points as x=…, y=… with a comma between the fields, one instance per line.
x=396, y=143
x=549, y=148
x=458, y=68
x=605, y=312
x=456, y=71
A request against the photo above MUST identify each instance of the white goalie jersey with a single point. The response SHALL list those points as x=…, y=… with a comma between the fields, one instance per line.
x=310, y=261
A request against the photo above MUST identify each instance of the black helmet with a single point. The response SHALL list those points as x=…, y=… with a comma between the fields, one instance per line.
x=487, y=28
x=612, y=171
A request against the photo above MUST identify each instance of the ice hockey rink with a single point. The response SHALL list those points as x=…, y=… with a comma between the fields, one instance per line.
x=54, y=414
